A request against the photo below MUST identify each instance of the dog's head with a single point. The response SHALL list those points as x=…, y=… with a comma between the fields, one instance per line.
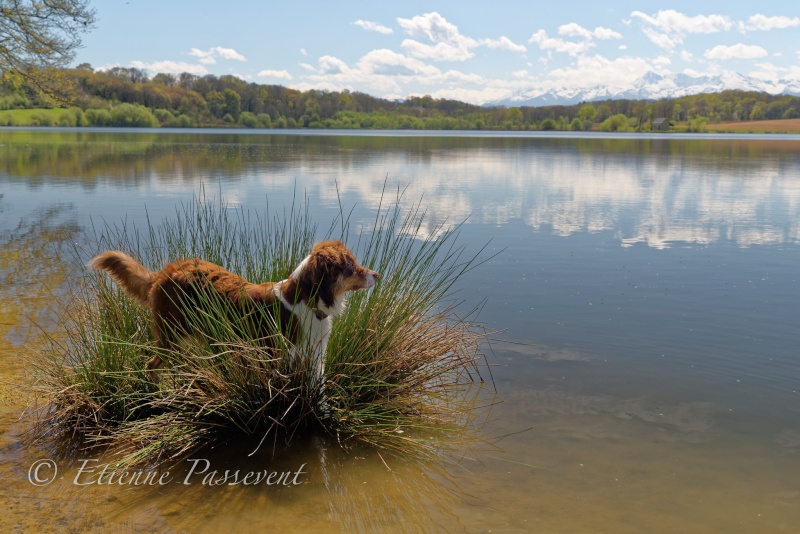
x=328, y=273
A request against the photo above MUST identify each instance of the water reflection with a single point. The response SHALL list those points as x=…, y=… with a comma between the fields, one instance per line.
x=327, y=488
x=661, y=386
x=349, y=491
x=652, y=191
x=31, y=272
x=30, y=276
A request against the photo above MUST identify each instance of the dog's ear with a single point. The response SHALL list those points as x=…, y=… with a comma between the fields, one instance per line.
x=320, y=275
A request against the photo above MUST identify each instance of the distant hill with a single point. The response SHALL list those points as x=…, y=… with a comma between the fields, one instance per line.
x=651, y=86
x=130, y=97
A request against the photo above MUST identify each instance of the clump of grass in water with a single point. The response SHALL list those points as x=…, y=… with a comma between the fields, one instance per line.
x=399, y=359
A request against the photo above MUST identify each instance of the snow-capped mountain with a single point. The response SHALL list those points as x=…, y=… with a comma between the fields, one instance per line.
x=651, y=86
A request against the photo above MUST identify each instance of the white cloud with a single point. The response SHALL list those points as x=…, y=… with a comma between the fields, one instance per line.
x=452, y=77
x=560, y=45
x=390, y=63
x=229, y=53
x=279, y=74
x=600, y=70
x=606, y=33
x=384, y=72
x=504, y=43
x=520, y=73
x=672, y=21
x=770, y=72
x=433, y=26
x=449, y=43
x=573, y=48
x=764, y=23
x=662, y=61
x=438, y=52
x=373, y=27
x=475, y=96
x=332, y=65
x=574, y=30
x=171, y=67
x=667, y=28
x=662, y=40
x=686, y=55
x=737, y=51
x=208, y=57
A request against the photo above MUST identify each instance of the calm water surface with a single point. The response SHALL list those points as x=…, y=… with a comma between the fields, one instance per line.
x=650, y=287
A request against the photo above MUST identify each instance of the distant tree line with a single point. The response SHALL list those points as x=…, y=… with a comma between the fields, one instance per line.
x=128, y=97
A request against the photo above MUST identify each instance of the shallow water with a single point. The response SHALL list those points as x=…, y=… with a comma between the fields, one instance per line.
x=649, y=284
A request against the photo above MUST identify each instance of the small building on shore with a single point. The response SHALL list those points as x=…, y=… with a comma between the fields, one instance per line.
x=660, y=124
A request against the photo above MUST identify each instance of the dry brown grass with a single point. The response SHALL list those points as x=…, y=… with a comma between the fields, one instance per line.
x=772, y=126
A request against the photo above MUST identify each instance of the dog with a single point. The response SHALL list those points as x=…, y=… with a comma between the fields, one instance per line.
x=303, y=304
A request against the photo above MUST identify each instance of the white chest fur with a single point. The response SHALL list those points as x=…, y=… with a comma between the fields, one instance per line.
x=314, y=332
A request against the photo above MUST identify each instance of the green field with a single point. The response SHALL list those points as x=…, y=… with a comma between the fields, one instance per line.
x=37, y=117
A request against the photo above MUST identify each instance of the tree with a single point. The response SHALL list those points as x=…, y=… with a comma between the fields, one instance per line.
x=216, y=103
x=132, y=115
x=165, y=79
x=603, y=112
x=548, y=124
x=186, y=80
x=232, y=103
x=37, y=37
x=515, y=116
x=677, y=111
x=757, y=113
x=587, y=113
x=615, y=123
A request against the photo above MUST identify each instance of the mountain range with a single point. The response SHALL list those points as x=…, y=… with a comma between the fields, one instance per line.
x=651, y=86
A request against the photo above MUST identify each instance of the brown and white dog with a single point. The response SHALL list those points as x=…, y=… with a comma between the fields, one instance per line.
x=306, y=301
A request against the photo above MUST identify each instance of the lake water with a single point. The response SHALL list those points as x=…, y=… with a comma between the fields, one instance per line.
x=649, y=287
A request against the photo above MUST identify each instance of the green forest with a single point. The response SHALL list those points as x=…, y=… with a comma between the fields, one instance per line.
x=128, y=97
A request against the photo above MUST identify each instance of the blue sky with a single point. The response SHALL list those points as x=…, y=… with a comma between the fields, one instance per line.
x=470, y=51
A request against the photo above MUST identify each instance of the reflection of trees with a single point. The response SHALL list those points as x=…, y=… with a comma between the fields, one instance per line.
x=126, y=156
x=649, y=190
x=30, y=270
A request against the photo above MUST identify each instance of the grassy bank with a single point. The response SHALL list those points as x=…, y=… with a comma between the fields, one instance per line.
x=38, y=117
x=401, y=360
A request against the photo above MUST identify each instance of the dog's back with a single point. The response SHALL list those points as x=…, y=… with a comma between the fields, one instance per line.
x=299, y=308
x=184, y=288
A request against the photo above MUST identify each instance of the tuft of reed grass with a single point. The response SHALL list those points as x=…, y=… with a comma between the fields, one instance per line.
x=400, y=360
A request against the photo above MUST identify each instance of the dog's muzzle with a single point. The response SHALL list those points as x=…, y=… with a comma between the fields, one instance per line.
x=371, y=279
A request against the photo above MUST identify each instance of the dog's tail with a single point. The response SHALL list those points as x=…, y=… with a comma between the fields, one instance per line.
x=132, y=276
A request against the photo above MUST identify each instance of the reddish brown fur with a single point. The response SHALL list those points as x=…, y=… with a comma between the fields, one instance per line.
x=330, y=271
x=330, y=261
